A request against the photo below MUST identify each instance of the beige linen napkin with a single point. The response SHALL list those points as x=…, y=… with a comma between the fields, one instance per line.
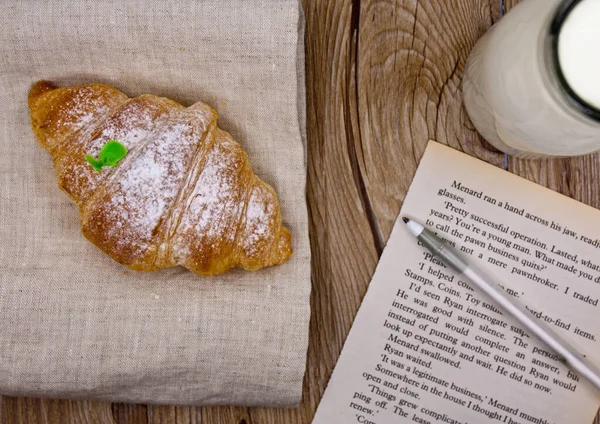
x=73, y=323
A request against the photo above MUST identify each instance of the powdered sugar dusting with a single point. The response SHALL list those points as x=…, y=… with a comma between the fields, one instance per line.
x=213, y=195
x=260, y=217
x=143, y=192
x=228, y=209
x=60, y=115
x=209, y=223
x=129, y=125
x=83, y=106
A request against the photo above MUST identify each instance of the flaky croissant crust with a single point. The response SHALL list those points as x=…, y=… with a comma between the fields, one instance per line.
x=185, y=194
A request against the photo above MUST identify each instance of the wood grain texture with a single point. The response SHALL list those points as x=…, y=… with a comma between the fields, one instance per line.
x=47, y=411
x=574, y=177
x=382, y=78
x=124, y=413
x=410, y=65
x=343, y=248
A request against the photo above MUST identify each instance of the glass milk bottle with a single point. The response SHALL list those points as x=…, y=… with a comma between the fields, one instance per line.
x=532, y=83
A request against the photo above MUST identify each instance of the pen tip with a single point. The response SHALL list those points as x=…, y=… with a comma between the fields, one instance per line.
x=405, y=219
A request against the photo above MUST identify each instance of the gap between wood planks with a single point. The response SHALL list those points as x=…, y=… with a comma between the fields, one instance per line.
x=353, y=80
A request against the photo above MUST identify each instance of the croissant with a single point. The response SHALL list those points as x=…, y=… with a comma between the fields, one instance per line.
x=184, y=194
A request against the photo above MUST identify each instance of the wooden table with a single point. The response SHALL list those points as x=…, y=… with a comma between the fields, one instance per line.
x=383, y=77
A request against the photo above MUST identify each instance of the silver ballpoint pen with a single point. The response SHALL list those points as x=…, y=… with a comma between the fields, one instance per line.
x=455, y=260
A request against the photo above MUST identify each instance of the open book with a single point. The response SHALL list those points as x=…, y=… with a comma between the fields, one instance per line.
x=426, y=348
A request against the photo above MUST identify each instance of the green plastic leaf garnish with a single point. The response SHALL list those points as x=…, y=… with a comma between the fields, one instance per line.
x=110, y=155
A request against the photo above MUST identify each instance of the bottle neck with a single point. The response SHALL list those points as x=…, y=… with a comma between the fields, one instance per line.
x=553, y=65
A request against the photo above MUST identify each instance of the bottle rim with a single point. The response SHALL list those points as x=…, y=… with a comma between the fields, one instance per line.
x=560, y=16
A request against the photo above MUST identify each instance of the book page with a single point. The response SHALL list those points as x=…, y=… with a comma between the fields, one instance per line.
x=426, y=348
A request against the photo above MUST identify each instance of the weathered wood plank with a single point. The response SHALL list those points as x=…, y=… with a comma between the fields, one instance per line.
x=127, y=413
x=343, y=247
x=410, y=65
x=49, y=411
x=184, y=415
x=575, y=177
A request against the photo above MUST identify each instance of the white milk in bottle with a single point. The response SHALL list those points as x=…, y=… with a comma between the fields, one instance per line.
x=532, y=83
